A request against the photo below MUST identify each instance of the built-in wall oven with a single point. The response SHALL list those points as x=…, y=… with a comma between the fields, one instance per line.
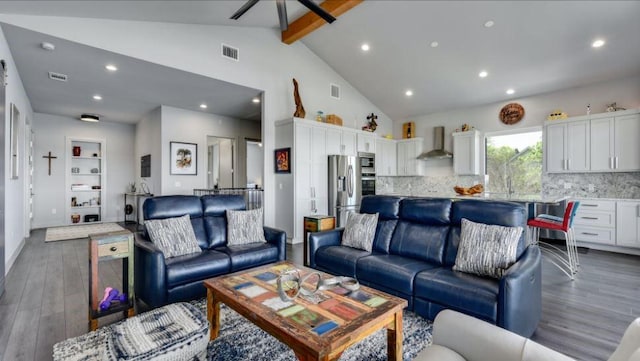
x=367, y=171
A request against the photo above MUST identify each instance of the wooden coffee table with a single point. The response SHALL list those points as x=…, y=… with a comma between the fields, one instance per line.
x=316, y=328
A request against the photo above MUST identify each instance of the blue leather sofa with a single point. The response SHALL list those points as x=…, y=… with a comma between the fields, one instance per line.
x=415, y=248
x=159, y=281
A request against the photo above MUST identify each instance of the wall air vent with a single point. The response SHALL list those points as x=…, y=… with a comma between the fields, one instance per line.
x=230, y=52
x=58, y=76
x=335, y=91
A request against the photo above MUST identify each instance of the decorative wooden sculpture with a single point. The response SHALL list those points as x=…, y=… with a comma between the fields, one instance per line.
x=371, y=124
x=300, y=113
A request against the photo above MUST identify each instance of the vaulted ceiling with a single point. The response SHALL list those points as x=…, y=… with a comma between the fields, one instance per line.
x=532, y=47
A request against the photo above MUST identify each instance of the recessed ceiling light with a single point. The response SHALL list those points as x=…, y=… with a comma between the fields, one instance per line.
x=409, y=93
x=48, y=46
x=365, y=47
x=434, y=44
x=90, y=118
x=489, y=24
x=483, y=74
x=256, y=100
x=598, y=43
x=203, y=106
x=510, y=91
x=111, y=67
x=97, y=97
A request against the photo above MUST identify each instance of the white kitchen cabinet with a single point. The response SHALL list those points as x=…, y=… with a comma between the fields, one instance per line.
x=614, y=143
x=386, y=157
x=341, y=141
x=302, y=192
x=595, y=221
x=567, y=147
x=407, y=160
x=366, y=142
x=628, y=224
x=466, y=157
x=86, y=171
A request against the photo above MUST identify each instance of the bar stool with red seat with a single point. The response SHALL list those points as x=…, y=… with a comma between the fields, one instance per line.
x=566, y=260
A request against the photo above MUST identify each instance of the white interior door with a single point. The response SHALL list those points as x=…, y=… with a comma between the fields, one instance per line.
x=28, y=217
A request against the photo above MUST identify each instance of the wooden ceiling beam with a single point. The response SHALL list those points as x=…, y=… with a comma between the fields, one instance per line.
x=311, y=21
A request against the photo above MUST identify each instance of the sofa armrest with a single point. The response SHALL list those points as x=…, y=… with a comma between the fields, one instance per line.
x=278, y=238
x=520, y=297
x=331, y=237
x=150, y=276
x=474, y=339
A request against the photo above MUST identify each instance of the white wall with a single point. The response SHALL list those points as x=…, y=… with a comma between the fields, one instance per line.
x=180, y=125
x=573, y=101
x=50, y=132
x=14, y=189
x=265, y=63
x=148, y=142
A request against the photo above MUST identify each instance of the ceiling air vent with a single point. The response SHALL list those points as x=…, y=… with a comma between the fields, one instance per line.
x=335, y=91
x=230, y=52
x=58, y=76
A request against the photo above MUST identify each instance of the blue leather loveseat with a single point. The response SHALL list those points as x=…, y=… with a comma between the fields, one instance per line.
x=415, y=248
x=159, y=281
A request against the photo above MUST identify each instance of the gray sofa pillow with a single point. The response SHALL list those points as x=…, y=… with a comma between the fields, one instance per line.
x=244, y=227
x=360, y=230
x=486, y=250
x=173, y=236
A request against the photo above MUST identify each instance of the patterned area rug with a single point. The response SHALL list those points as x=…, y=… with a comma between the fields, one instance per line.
x=240, y=339
x=80, y=231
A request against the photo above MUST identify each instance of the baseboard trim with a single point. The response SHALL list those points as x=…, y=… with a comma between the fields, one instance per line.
x=14, y=257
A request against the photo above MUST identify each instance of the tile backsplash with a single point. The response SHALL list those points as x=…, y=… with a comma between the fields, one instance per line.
x=593, y=185
x=604, y=185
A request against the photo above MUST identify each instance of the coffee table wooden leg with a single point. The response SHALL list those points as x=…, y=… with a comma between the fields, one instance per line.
x=213, y=314
x=394, y=338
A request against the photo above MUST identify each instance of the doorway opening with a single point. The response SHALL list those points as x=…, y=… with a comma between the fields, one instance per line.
x=220, y=162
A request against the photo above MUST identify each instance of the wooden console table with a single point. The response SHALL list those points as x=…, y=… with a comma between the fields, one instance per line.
x=316, y=224
x=104, y=247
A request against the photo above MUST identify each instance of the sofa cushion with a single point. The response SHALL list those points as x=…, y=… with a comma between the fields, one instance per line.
x=250, y=255
x=173, y=236
x=486, y=250
x=214, y=210
x=506, y=214
x=360, y=230
x=419, y=241
x=388, y=209
x=467, y=293
x=244, y=227
x=177, y=206
x=196, y=267
x=422, y=230
x=339, y=260
x=392, y=271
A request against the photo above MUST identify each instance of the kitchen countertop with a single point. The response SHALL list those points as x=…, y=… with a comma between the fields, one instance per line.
x=516, y=197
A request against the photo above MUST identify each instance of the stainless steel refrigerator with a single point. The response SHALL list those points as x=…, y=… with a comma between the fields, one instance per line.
x=344, y=187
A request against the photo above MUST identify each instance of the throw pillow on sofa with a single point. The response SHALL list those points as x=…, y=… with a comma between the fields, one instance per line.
x=244, y=227
x=360, y=230
x=486, y=250
x=173, y=236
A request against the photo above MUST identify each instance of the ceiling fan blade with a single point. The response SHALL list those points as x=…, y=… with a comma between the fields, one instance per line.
x=282, y=15
x=248, y=5
x=318, y=10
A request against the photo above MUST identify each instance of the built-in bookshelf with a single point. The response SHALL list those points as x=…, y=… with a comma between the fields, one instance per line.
x=85, y=180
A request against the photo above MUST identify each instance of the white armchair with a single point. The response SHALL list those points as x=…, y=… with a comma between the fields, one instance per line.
x=458, y=337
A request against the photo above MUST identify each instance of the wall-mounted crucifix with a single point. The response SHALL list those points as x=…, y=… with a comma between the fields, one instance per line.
x=49, y=157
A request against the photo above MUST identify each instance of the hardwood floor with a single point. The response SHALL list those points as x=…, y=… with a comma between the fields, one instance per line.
x=45, y=300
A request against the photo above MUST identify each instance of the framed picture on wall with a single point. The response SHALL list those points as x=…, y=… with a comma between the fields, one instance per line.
x=283, y=160
x=184, y=158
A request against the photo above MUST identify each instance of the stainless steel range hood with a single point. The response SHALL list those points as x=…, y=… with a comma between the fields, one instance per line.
x=438, y=143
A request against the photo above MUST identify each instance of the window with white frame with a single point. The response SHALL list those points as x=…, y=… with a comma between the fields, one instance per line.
x=513, y=162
